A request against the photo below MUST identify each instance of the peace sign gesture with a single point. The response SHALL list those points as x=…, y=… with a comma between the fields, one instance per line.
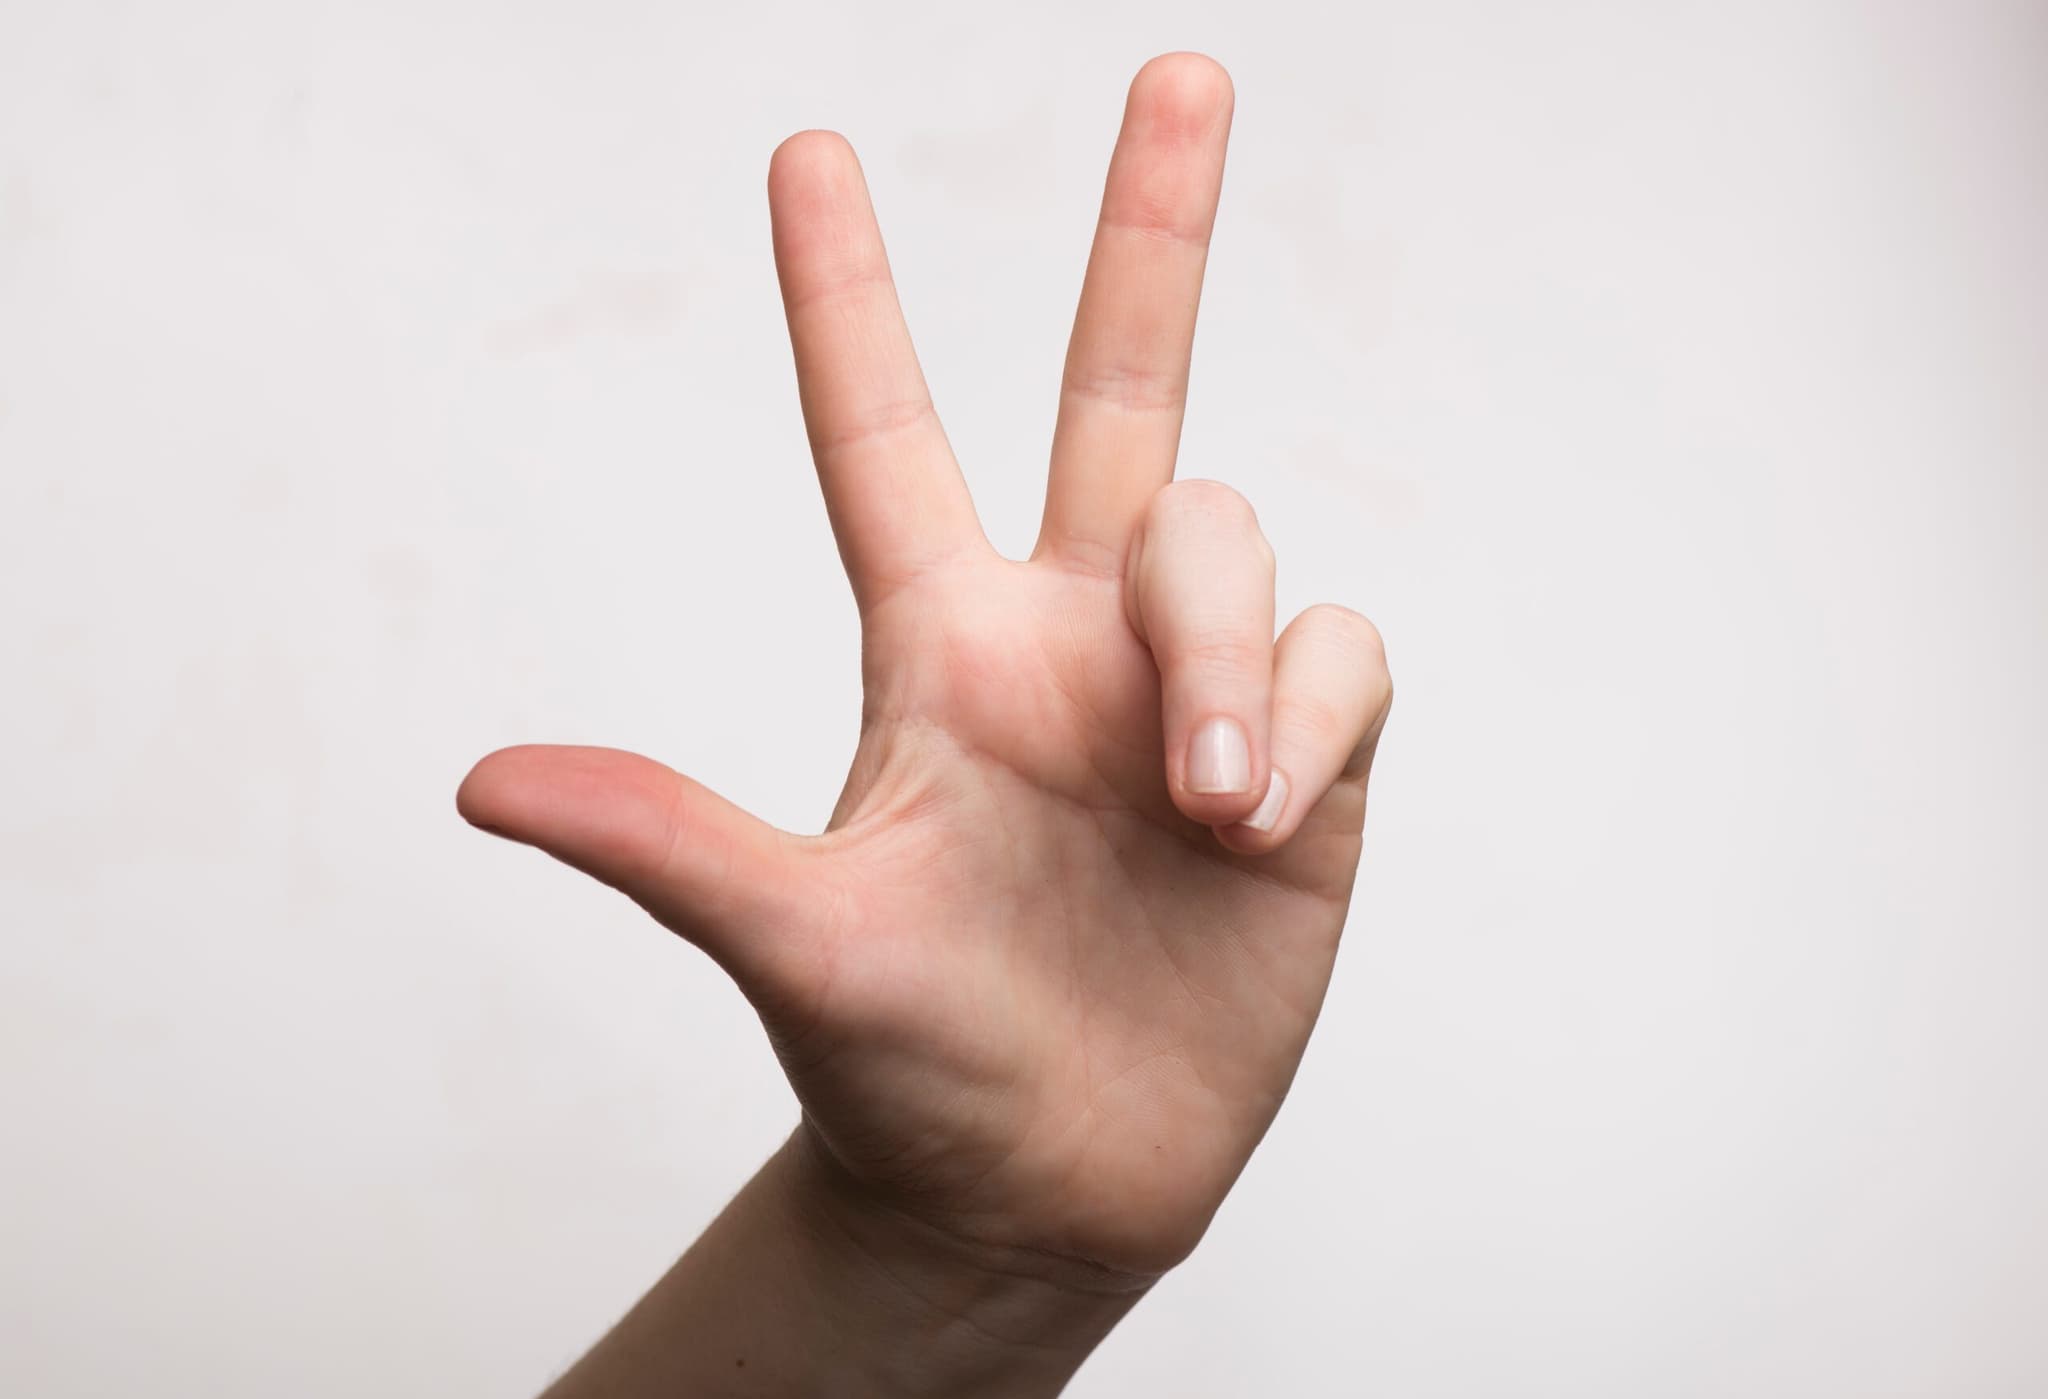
x=1043, y=982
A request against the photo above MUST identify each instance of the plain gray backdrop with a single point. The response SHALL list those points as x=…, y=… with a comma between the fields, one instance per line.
x=383, y=383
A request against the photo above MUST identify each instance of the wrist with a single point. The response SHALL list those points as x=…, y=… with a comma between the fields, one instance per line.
x=922, y=1310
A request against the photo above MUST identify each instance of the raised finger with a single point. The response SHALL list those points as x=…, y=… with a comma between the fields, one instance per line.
x=1126, y=377
x=892, y=488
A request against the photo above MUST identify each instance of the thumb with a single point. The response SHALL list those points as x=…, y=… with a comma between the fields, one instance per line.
x=727, y=881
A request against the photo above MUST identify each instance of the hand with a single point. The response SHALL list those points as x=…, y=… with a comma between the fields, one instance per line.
x=1043, y=982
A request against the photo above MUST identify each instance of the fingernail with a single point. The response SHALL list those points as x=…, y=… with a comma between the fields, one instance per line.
x=1275, y=802
x=1219, y=758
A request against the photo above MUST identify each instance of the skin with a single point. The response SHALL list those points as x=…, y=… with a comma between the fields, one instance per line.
x=1038, y=992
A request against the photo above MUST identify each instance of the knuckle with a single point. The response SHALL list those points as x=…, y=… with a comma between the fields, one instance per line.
x=1338, y=626
x=1203, y=508
x=1356, y=644
x=1313, y=718
x=1209, y=499
x=1132, y=388
x=1224, y=656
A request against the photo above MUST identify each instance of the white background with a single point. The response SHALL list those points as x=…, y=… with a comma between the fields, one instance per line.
x=383, y=383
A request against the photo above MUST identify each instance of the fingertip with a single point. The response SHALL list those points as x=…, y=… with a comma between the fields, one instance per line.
x=602, y=810
x=1262, y=830
x=1221, y=776
x=1184, y=91
x=1272, y=808
x=480, y=796
x=807, y=159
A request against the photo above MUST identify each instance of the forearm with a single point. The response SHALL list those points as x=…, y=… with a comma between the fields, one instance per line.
x=799, y=1289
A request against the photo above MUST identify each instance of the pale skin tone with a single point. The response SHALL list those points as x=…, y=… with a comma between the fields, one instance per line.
x=1045, y=978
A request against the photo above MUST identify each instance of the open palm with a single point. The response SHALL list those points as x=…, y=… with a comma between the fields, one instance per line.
x=1045, y=978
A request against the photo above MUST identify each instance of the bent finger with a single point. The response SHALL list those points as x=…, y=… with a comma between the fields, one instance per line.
x=1331, y=694
x=1198, y=587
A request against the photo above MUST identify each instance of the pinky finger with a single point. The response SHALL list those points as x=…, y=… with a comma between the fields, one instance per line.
x=1331, y=694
